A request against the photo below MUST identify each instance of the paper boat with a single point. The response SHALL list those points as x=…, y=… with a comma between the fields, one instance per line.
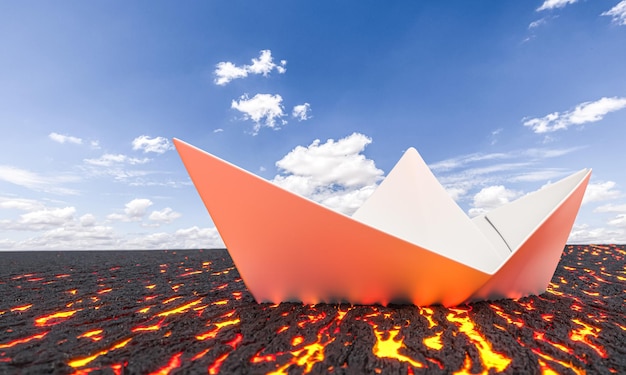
x=408, y=243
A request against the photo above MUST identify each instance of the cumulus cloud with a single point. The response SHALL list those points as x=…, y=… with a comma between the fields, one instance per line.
x=583, y=113
x=164, y=216
x=187, y=238
x=263, y=109
x=226, y=71
x=37, y=182
x=137, y=209
x=552, y=4
x=600, y=191
x=157, y=145
x=301, y=112
x=334, y=173
x=48, y=217
x=456, y=192
x=38, y=216
x=618, y=13
x=585, y=234
x=69, y=237
x=62, y=228
x=60, y=138
x=87, y=220
x=491, y=197
x=43, y=219
x=108, y=160
x=133, y=210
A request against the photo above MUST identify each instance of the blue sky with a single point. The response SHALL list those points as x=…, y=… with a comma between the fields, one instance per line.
x=321, y=97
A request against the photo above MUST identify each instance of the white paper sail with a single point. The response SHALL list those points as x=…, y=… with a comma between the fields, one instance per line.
x=408, y=243
x=411, y=204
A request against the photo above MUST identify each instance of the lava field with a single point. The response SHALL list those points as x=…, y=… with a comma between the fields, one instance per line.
x=188, y=311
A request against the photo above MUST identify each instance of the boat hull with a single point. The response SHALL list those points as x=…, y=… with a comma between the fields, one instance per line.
x=289, y=248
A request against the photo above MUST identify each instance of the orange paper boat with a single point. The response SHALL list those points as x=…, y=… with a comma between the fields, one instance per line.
x=408, y=243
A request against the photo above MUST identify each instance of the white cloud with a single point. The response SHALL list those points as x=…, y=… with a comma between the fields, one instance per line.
x=42, y=219
x=461, y=175
x=619, y=221
x=165, y=216
x=611, y=208
x=167, y=183
x=71, y=236
x=227, y=71
x=460, y=161
x=545, y=153
x=334, y=173
x=456, y=192
x=37, y=182
x=483, y=175
x=281, y=68
x=618, y=12
x=75, y=237
x=108, y=160
x=264, y=64
x=87, y=220
x=60, y=138
x=157, y=145
x=20, y=204
x=494, y=136
x=60, y=228
x=552, y=4
x=600, y=191
x=134, y=210
x=539, y=175
x=583, y=113
x=537, y=23
x=301, y=112
x=218, y=130
x=188, y=238
x=491, y=197
x=48, y=217
x=263, y=109
x=584, y=234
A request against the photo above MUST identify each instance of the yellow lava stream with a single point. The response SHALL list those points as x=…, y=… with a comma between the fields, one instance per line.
x=83, y=361
x=489, y=358
x=390, y=348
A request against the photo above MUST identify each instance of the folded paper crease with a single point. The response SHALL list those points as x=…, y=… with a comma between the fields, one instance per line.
x=408, y=243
